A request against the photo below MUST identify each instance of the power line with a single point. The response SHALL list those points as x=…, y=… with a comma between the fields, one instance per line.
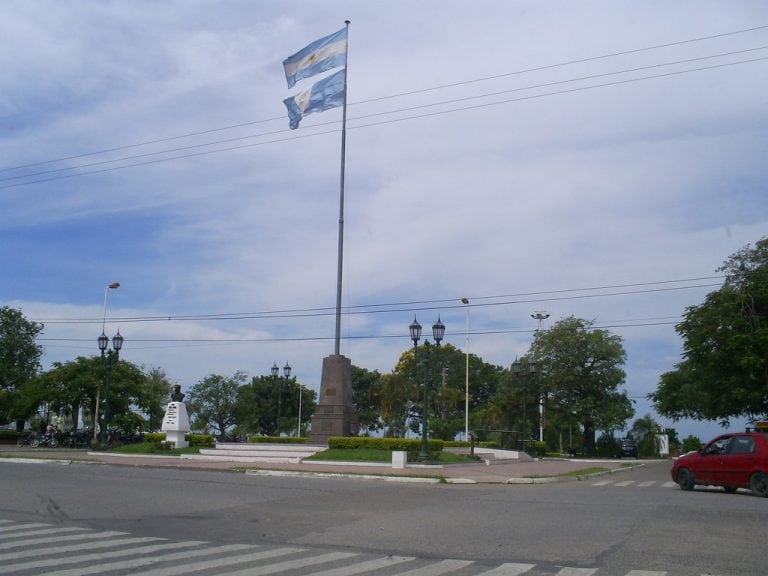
x=425, y=90
x=372, y=115
x=391, y=121
x=414, y=306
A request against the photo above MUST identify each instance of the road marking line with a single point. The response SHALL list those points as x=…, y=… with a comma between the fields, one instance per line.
x=54, y=539
x=438, y=568
x=625, y=483
x=149, y=560
x=602, y=483
x=37, y=552
x=645, y=573
x=367, y=566
x=669, y=484
x=98, y=556
x=566, y=571
x=292, y=564
x=23, y=527
x=509, y=569
x=646, y=483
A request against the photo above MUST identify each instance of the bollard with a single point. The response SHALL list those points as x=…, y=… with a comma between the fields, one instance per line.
x=399, y=458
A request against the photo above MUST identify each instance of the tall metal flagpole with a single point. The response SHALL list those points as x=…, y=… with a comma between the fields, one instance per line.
x=341, y=203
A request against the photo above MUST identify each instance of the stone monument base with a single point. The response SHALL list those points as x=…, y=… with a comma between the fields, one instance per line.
x=335, y=413
x=176, y=424
x=178, y=438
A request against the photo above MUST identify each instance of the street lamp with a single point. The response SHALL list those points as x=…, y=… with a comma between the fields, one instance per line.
x=102, y=346
x=465, y=301
x=541, y=315
x=275, y=371
x=438, y=331
x=107, y=360
x=517, y=371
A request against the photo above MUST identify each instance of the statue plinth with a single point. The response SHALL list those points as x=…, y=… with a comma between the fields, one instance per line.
x=176, y=424
x=335, y=413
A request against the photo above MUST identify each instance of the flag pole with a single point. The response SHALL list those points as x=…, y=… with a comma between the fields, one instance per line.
x=340, y=264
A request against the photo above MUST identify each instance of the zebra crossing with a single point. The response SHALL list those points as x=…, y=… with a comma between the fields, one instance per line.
x=635, y=483
x=40, y=549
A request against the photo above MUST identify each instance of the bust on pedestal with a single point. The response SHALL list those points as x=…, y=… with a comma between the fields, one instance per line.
x=176, y=422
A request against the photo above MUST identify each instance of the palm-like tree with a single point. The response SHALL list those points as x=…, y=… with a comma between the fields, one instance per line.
x=645, y=432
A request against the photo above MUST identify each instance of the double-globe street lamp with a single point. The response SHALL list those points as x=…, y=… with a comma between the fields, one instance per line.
x=438, y=331
x=286, y=374
x=107, y=359
x=531, y=371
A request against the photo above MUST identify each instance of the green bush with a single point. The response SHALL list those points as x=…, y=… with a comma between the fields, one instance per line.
x=410, y=445
x=154, y=437
x=8, y=437
x=277, y=439
x=201, y=440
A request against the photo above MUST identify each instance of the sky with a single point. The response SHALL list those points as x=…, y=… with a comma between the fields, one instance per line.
x=596, y=159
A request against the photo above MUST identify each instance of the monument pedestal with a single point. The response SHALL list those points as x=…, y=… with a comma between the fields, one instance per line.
x=335, y=413
x=176, y=424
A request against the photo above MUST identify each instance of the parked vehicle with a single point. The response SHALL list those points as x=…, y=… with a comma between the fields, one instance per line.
x=24, y=440
x=627, y=448
x=733, y=461
x=46, y=439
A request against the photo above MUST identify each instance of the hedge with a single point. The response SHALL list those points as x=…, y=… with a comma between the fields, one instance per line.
x=193, y=439
x=406, y=444
x=277, y=439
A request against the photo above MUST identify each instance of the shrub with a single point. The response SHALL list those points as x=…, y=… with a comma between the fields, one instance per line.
x=410, y=445
x=278, y=439
x=202, y=440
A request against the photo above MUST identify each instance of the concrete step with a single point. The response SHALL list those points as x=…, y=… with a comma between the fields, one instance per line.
x=256, y=452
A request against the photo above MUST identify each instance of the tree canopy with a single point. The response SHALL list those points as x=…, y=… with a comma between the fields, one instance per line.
x=723, y=373
x=19, y=361
x=580, y=373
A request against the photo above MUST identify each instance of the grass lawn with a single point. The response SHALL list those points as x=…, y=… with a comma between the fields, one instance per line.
x=149, y=448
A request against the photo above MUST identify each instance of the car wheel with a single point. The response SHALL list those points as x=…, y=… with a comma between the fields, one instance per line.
x=685, y=479
x=730, y=489
x=758, y=483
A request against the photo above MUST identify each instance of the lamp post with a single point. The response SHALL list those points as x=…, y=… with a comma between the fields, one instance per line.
x=107, y=359
x=275, y=371
x=517, y=372
x=107, y=288
x=465, y=301
x=541, y=315
x=438, y=331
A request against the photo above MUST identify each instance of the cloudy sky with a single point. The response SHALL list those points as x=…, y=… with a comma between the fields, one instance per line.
x=599, y=159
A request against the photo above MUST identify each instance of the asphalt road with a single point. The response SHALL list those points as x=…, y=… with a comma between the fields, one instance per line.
x=636, y=520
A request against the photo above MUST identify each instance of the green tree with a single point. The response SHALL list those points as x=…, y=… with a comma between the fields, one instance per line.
x=579, y=371
x=155, y=394
x=19, y=363
x=213, y=400
x=257, y=406
x=724, y=370
x=691, y=443
x=69, y=385
x=645, y=433
x=365, y=388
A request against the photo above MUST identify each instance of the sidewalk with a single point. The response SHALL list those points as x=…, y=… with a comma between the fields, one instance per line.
x=482, y=472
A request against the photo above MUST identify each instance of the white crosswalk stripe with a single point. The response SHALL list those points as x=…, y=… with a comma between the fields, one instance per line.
x=49, y=550
x=634, y=484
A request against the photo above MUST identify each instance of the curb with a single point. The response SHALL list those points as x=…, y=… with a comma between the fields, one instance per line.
x=385, y=478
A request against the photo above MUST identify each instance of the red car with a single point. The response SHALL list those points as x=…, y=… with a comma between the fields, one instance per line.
x=737, y=460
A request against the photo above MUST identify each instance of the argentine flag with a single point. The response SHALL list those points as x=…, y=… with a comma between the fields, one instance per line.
x=324, y=94
x=319, y=56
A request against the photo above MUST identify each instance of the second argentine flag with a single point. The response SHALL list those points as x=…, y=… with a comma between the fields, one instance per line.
x=324, y=94
x=319, y=56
